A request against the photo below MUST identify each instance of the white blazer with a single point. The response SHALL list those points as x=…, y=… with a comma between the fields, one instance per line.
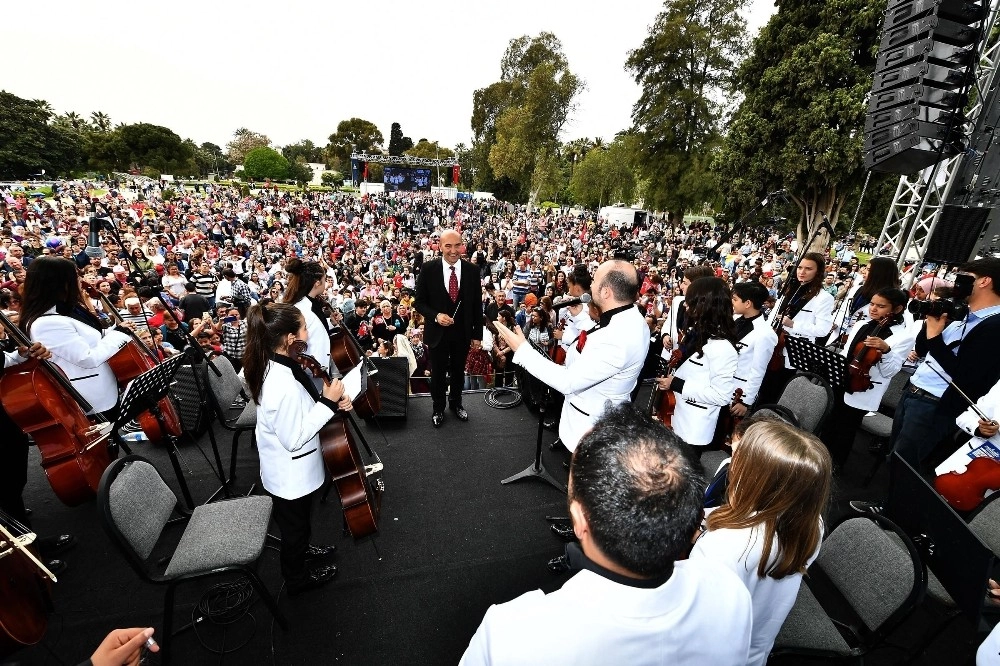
x=288, y=425
x=709, y=383
x=754, y=354
x=990, y=405
x=900, y=343
x=675, y=305
x=606, y=371
x=701, y=615
x=319, y=339
x=814, y=320
x=82, y=352
x=575, y=324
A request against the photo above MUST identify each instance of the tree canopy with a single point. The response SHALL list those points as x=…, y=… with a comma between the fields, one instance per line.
x=152, y=148
x=354, y=134
x=245, y=140
x=799, y=125
x=430, y=150
x=30, y=143
x=304, y=149
x=264, y=163
x=398, y=144
x=684, y=67
x=517, y=120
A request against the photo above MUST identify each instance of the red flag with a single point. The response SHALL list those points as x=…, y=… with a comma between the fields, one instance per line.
x=455, y=172
x=364, y=176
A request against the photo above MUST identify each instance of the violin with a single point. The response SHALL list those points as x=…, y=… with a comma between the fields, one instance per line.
x=25, y=587
x=863, y=358
x=777, y=362
x=558, y=352
x=131, y=361
x=966, y=490
x=662, y=404
x=730, y=420
x=47, y=407
x=360, y=498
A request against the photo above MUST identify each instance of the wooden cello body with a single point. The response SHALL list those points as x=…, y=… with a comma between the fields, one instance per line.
x=662, y=404
x=26, y=594
x=346, y=355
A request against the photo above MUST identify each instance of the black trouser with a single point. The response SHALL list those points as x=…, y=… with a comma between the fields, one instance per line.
x=448, y=356
x=13, y=468
x=294, y=519
x=841, y=429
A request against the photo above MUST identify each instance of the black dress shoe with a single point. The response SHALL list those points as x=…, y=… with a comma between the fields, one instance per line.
x=558, y=565
x=56, y=566
x=53, y=545
x=437, y=418
x=460, y=413
x=317, y=552
x=315, y=578
x=564, y=532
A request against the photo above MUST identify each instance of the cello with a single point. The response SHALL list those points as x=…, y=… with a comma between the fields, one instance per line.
x=131, y=361
x=346, y=355
x=25, y=587
x=45, y=405
x=360, y=498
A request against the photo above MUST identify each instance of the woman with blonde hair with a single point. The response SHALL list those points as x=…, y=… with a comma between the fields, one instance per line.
x=770, y=529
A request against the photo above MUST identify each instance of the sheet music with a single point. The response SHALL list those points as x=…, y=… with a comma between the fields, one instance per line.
x=354, y=381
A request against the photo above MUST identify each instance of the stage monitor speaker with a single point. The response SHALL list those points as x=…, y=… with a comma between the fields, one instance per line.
x=393, y=380
x=913, y=111
x=947, y=132
x=957, y=234
x=909, y=154
x=925, y=49
x=960, y=11
x=939, y=29
x=195, y=415
x=917, y=94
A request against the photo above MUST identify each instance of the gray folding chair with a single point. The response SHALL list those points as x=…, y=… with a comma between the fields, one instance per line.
x=867, y=579
x=879, y=424
x=135, y=504
x=225, y=390
x=810, y=399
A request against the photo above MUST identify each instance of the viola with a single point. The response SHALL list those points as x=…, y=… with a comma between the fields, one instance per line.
x=558, y=352
x=25, y=587
x=730, y=420
x=662, y=404
x=777, y=362
x=966, y=490
x=863, y=359
x=360, y=498
x=44, y=404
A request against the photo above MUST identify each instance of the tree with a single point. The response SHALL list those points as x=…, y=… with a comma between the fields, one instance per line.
x=398, y=144
x=29, y=143
x=684, y=65
x=517, y=120
x=263, y=162
x=243, y=142
x=430, y=150
x=143, y=146
x=799, y=125
x=300, y=172
x=306, y=149
x=606, y=175
x=353, y=135
x=101, y=121
x=332, y=178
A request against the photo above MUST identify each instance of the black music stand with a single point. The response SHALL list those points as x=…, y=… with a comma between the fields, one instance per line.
x=807, y=356
x=144, y=394
x=536, y=470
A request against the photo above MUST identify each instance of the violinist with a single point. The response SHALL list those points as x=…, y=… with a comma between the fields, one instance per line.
x=290, y=414
x=704, y=382
x=54, y=312
x=981, y=429
x=881, y=274
x=306, y=284
x=805, y=311
x=885, y=331
x=756, y=342
x=678, y=309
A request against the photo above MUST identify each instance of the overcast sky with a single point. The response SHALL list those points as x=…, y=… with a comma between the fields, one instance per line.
x=295, y=70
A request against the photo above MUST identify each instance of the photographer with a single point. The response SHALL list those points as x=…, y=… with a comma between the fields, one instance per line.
x=964, y=350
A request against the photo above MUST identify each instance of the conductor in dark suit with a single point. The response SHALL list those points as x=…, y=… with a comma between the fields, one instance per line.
x=449, y=296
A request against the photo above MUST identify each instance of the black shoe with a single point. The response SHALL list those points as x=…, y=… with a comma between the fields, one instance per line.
x=550, y=424
x=56, y=566
x=437, y=418
x=315, y=578
x=317, y=552
x=460, y=413
x=866, y=507
x=53, y=545
x=564, y=532
x=558, y=565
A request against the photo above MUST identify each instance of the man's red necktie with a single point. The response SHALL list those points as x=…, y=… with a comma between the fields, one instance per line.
x=453, y=286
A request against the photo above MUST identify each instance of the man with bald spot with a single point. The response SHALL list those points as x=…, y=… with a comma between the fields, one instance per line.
x=610, y=361
x=449, y=296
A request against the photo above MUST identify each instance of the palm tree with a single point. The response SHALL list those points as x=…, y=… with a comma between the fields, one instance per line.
x=74, y=119
x=45, y=107
x=102, y=121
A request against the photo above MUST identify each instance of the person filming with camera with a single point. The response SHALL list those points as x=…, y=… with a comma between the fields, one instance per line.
x=959, y=339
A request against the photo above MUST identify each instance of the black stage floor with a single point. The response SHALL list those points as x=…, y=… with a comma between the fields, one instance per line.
x=452, y=541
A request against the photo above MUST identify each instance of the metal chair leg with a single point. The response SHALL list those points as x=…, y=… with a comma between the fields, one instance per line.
x=266, y=597
x=232, y=455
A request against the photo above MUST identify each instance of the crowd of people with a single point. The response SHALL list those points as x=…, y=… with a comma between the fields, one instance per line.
x=484, y=293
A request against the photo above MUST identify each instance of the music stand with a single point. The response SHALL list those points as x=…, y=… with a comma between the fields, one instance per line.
x=807, y=356
x=536, y=470
x=144, y=394
x=959, y=558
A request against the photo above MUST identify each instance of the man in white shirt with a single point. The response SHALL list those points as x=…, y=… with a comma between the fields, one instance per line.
x=635, y=494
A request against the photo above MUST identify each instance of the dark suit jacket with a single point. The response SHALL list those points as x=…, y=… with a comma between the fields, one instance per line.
x=431, y=298
x=976, y=367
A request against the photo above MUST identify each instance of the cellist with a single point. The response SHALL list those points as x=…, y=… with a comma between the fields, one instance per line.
x=887, y=332
x=704, y=381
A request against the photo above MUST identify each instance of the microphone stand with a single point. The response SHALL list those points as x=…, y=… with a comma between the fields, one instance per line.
x=714, y=252
x=197, y=356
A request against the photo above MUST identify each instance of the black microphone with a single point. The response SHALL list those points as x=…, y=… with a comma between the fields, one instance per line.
x=583, y=299
x=94, y=249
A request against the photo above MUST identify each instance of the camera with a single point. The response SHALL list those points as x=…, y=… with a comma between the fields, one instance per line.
x=955, y=308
